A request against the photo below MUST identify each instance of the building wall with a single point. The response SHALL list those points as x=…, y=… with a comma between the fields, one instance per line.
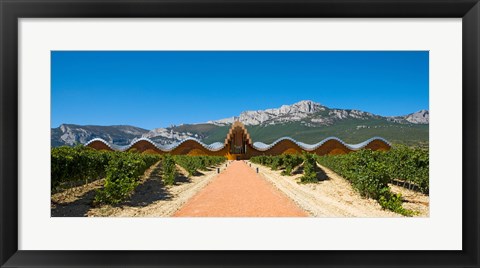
x=98, y=145
x=192, y=147
x=378, y=145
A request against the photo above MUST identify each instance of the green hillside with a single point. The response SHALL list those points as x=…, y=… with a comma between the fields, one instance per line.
x=351, y=131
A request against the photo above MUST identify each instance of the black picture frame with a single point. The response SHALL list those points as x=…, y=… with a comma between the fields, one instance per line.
x=12, y=10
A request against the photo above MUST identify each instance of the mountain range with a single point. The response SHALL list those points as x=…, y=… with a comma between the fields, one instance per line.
x=305, y=121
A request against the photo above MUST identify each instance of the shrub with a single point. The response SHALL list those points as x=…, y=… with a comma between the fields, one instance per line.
x=290, y=162
x=169, y=170
x=79, y=163
x=410, y=165
x=393, y=202
x=309, y=169
x=122, y=176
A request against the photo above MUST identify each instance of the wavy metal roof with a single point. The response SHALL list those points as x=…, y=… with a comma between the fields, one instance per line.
x=217, y=146
x=311, y=147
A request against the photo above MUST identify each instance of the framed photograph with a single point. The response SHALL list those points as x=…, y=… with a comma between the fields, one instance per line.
x=257, y=133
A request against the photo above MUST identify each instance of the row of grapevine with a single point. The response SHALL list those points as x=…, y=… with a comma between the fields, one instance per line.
x=79, y=163
x=169, y=170
x=401, y=163
x=363, y=169
x=121, y=170
x=410, y=165
x=309, y=169
x=194, y=163
x=286, y=161
x=122, y=176
x=369, y=173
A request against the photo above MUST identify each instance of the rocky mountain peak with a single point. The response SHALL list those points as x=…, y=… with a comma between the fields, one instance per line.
x=70, y=134
x=306, y=106
x=285, y=113
x=420, y=117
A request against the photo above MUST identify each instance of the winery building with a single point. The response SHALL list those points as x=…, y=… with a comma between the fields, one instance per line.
x=238, y=145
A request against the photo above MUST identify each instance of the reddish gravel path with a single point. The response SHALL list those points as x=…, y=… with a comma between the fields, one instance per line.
x=240, y=192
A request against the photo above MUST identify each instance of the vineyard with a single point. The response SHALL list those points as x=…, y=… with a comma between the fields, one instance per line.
x=72, y=164
x=286, y=161
x=369, y=172
x=192, y=164
x=122, y=176
x=122, y=170
x=409, y=166
x=289, y=162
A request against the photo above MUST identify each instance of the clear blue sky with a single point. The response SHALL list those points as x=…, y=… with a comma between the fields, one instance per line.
x=151, y=89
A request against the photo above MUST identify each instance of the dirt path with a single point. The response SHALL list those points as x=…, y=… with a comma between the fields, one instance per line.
x=333, y=197
x=240, y=192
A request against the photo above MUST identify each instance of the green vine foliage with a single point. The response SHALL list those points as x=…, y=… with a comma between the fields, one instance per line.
x=409, y=165
x=287, y=162
x=121, y=170
x=79, y=163
x=290, y=161
x=122, y=176
x=169, y=170
x=309, y=169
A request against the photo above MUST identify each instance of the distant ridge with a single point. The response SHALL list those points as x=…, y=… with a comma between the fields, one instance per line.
x=305, y=121
x=314, y=113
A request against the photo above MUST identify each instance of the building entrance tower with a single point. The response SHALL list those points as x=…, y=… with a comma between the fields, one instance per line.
x=238, y=141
